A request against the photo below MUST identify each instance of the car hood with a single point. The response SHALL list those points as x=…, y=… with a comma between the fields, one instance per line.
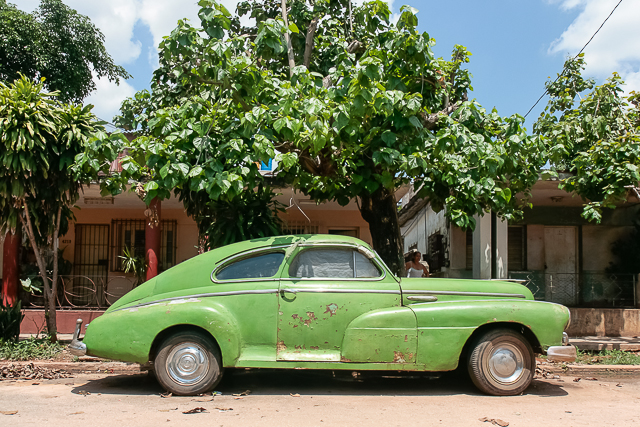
x=494, y=288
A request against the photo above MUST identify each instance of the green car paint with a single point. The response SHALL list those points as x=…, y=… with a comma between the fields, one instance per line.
x=282, y=321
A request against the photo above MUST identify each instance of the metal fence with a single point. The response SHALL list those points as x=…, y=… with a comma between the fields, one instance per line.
x=90, y=292
x=587, y=289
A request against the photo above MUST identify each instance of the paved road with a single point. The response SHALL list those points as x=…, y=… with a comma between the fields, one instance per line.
x=312, y=398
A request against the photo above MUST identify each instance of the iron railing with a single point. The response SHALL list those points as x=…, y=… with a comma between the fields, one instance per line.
x=84, y=292
x=587, y=289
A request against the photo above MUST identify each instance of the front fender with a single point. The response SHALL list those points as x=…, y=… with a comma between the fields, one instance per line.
x=128, y=334
x=445, y=327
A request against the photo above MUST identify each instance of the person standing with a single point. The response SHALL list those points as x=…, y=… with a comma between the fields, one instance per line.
x=414, y=267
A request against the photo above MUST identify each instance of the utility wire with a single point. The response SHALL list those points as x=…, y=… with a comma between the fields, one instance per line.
x=581, y=50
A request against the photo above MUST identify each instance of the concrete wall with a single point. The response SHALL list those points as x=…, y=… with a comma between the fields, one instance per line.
x=604, y=322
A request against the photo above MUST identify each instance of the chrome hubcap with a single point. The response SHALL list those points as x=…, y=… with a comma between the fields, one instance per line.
x=187, y=363
x=506, y=363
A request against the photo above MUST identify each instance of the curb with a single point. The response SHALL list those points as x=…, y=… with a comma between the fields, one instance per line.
x=608, y=371
x=97, y=367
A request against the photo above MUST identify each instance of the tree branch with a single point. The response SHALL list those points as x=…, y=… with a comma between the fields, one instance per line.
x=287, y=39
x=308, y=45
x=431, y=120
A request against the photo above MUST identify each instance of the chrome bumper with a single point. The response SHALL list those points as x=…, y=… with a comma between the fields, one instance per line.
x=562, y=353
x=77, y=348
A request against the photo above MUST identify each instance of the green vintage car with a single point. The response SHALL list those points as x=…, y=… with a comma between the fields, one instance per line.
x=323, y=302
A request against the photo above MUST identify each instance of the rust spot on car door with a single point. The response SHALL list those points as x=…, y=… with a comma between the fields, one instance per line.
x=331, y=309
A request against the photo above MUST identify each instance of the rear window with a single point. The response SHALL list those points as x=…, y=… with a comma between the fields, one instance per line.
x=254, y=267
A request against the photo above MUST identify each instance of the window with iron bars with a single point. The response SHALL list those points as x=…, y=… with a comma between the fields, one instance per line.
x=130, y=234
x=300, y=227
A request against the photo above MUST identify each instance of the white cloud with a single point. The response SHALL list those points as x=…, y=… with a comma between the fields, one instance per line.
x=108, y=97
x=616, y=47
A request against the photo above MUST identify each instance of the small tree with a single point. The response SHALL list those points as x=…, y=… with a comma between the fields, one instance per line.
x=57, y=43
x=593, y=134
x=40, y=141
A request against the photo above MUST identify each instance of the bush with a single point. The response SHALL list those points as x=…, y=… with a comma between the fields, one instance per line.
x=10, y=319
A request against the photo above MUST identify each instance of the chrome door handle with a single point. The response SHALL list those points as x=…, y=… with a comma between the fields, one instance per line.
x=423, y=298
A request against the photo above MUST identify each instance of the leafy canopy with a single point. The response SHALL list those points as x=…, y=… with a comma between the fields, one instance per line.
x=57, y=43
x=593, y=137
x=365, y=109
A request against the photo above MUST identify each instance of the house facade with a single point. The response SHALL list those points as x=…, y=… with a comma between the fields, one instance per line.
x=557, y=254
x=106, y=229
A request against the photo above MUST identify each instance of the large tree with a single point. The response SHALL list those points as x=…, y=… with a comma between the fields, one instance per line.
x=48, y=151
x=352, y=106
x=57, y=43
x=593, y=137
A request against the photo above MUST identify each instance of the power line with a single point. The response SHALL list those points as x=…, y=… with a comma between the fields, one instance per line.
x=581, y=50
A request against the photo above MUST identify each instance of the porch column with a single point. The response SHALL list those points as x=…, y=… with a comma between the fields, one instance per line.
x=10, y=269
x=152, y=238
x=482, y=247
x=502, y=251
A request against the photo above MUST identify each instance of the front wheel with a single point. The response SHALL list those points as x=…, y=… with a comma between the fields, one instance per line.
x=188, y=364
x=501, y=363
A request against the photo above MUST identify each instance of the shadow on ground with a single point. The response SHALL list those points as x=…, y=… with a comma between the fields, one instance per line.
x=317, y=382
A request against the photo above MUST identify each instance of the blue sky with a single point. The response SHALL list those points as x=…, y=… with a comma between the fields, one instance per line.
x=516, y=44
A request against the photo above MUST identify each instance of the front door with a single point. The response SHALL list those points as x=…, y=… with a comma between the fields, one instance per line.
x=560, y=265
x=322, y=290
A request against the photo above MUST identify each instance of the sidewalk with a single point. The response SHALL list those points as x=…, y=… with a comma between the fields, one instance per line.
x=606, y=343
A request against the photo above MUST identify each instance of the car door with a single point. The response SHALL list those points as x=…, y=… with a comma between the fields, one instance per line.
x=323, y=288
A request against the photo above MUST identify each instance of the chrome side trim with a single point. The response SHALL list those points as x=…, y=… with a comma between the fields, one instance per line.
x=340, y=291
x=460, y=293
x=206, y=295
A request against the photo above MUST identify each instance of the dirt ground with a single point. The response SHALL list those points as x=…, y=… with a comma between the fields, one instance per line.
x=317, y=398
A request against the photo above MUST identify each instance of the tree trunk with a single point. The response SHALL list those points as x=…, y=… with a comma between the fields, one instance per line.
x=49, y=295
x=380, y=211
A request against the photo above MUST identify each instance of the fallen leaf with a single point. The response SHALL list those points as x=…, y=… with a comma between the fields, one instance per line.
x=618, y=385
x=244, y=393
x=494, y=421
x=575, y=380
x=84, y=392
x=591, y=379
x=167, y=410
x=294, y=394
x=8, y=412
x=194, y=411
x=35, y=383
x=224, y=409
x=166, y=394
x=238, y=397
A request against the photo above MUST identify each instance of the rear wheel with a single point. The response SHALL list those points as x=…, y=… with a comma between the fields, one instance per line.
x=501, y=363
x=188, y=363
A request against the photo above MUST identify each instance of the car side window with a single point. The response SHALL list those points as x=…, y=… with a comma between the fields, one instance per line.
x=337, y=263
x=257, y=266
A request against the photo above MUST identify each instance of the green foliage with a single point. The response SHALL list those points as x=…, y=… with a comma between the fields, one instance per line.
x=250, y=216
x=29, y=349
x=57, y=43
x=595, y=140
x=608, y=357
x=366, y=110
x=10, y=319
x=136, y=264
